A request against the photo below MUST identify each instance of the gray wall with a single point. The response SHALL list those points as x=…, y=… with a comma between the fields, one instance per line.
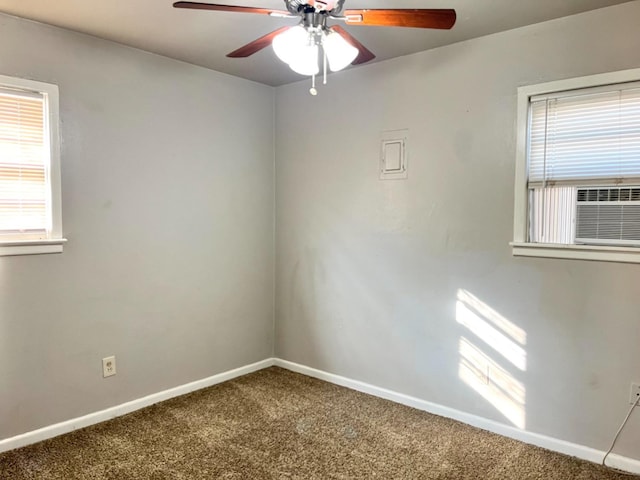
x=167, y=177
x=377, y=280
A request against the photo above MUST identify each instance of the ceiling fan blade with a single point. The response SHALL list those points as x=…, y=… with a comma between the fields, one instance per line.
x=231, y=8
x=365, y=54
x=403, y=17
x=256, y=45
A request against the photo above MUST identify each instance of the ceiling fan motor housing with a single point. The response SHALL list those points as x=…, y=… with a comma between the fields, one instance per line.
x=297, y=6
x=315, y=20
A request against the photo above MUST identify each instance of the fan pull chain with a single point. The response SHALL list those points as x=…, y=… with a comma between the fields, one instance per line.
x=324, y=65
x=313, y=90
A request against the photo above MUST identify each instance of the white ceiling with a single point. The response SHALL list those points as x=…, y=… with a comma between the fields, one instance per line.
x=205, y=37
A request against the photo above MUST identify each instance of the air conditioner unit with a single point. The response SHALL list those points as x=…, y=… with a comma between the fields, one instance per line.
x=608, y=215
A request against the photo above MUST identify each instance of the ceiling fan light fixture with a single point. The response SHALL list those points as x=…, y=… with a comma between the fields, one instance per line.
x=297, y=48
x=306, y=61
x=287, y=44
x=340, y=53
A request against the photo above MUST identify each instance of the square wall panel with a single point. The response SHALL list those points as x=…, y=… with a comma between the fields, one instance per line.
x=393, y=154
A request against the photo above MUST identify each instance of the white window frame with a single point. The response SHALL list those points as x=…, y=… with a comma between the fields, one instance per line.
x=55, y=241
x=520, y=244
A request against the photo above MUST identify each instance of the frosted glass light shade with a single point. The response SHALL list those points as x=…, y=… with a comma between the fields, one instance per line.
x=295, y=48
x=287, y=44
x=306, y=61
x=340, y=53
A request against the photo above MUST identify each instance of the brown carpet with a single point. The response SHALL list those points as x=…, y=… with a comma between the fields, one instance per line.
x=275, y=424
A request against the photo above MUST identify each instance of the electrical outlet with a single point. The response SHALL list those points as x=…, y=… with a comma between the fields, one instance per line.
x=108, y=366
x=635, y=393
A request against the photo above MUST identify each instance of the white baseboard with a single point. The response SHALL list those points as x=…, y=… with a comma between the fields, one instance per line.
x=550, y=443
x=128, y=407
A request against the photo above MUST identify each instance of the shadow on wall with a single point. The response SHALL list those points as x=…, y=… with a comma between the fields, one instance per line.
x=492, y=342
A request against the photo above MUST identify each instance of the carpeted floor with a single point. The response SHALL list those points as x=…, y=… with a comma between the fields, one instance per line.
x=275, y=424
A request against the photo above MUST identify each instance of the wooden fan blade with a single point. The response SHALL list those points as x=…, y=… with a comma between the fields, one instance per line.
x=365, y=54
x=403, y=17
x=256, y=45
x=231, y=8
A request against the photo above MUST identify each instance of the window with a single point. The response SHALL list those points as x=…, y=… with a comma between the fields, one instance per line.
x=578, y=169
x=30, y=214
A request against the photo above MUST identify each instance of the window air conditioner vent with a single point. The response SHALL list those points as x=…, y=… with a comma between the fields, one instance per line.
x=608, y=215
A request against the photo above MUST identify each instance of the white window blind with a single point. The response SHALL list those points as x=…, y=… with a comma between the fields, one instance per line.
x=583, y=135
x=24, y=166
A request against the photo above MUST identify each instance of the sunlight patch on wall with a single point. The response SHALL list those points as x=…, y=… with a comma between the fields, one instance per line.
x=488, y=313
x=492, y=382
x=482, y=321
x=479, y=370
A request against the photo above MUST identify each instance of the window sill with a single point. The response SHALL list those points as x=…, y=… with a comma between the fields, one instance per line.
x=577, y=252
x=31, y=247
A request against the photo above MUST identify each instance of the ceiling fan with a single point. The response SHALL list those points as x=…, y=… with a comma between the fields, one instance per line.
x=298, y=46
